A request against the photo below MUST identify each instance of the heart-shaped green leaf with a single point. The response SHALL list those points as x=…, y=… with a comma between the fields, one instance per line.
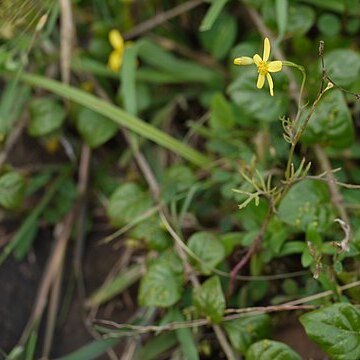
x=245, y=331
x=331, y=124
x=127, y=203
x=336, y=329
x=95, y=128
x=269, y=349
x=160, y=286
x=258, y=103
x=305, y=203
x=208, y=248
x=12, y=188
x=47, y=115
x=209, y=299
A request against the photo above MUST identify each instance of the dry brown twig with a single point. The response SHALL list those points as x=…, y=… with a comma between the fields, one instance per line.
x=67, y=38
x=295, y=305
x=162, y=18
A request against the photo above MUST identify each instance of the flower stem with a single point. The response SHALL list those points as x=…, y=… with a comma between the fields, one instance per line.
x=302, y=69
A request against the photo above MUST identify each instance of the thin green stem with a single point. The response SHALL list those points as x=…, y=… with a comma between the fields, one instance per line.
x=290, y=160
x=303, y=72
x=295, y=124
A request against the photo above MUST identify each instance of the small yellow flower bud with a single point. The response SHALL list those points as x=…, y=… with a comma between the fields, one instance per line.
x=329, y=86
x=243, y=60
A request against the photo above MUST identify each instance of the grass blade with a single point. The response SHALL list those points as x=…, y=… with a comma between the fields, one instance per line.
x=281, y=16
x=92, y=350
x=119, y=116
x=212, y=14
x=27, y=231
x=116, y=286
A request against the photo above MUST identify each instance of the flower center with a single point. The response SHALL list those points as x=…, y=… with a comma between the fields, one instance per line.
x=263, y=68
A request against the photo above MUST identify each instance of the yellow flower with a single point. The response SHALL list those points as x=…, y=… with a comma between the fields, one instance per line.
x=264, y=66
x=116, y=56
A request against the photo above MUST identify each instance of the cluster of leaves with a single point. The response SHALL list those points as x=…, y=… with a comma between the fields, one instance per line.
x=226, y=135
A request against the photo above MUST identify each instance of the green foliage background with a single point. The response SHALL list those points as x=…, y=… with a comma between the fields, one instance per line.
x=189, y=167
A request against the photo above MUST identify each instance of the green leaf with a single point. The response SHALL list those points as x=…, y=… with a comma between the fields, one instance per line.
x=352, y=25
x=331, y=123
x=221, y=37
x=253, y=292
x=306, y=202
x=12, y=190
x=13, y=99
x=290, y=287
x=158, y=345
x=151, y=232
x=115, y=286
x=174, y=68
x=329, y=24
x=126, y=203
x=230, y=240
x=94, y=128
x=209, y=299
x=334, y=5
x=25, y=237
x=79, y=62
x=47, y=115
x=92, y=350
x=62, y=202
x=278, y=234
x=208, y=248
x=177, y=179
x=22, y=240
x=245, y=331
x=292, y=247
x=336, y=329
x=222, y=116
x=269, y=349
x=281, y=16
x=312, y=235
x=118, y=116
x=212, y=14
x=258, y=103
x=172, y=259
x=343, y=66
x=185, y=337
x=128, y=79
x=301, y=19
x=160, y=286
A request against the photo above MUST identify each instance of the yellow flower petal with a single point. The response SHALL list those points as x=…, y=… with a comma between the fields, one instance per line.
x=116, y=40
x=257, y=59
x=266, y=49
x=115, y=60
x=271, y=84
x=243, y=60
x=274, y=66
x=260, y=81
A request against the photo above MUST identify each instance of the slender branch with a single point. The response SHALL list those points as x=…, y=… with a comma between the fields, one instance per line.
x=324, y=162
x=161, y=18
x=13, y=137
x=63, y=231
x=250, y=252
x=230, y=355
x=231, y=315
x=294, y=305
x=67, y=30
